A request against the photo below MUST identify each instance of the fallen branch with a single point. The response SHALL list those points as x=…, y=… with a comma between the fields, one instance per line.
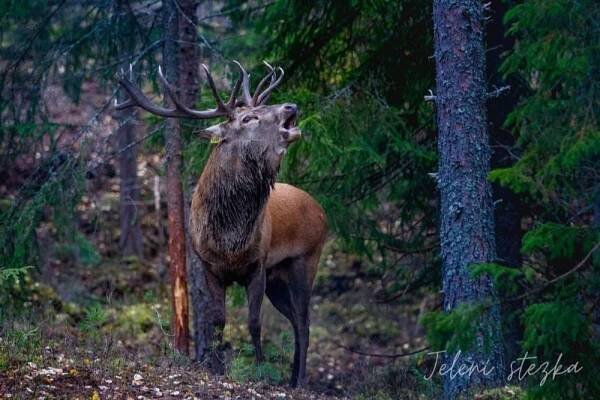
x=380, y=355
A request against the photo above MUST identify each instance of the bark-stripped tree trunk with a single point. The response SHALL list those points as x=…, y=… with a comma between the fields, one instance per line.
x=176, y=224
x=507, y=209
x=189, y=81
x=130, y=241
x=467, y=220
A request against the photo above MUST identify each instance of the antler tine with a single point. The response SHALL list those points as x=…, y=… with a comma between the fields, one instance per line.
x=265, y=95
x=245, y=86
x=137, y=98
x=263, y=81
x=213, y=88
x=234, y=92
x=124, y=105
x=171, y=92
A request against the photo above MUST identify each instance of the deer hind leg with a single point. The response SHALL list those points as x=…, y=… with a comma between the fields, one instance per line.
x=216, y=289
x=255, y=291
x=289, y=289
x=279, y=295
x=300, y=288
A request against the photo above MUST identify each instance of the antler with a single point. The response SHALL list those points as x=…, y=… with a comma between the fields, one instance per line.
x=180, y=110
x=259, y=98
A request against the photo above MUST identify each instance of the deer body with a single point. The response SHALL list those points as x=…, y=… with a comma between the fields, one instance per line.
x=266, y=236
x=246, y=228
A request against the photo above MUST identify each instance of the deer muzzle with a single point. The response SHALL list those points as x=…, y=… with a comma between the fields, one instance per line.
x=289, y=130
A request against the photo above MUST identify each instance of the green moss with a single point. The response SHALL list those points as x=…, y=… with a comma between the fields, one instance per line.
x=504, y=393
x=137, y=320
x=278, y=357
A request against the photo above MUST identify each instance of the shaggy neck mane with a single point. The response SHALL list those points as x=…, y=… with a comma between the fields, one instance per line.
x=234, y=193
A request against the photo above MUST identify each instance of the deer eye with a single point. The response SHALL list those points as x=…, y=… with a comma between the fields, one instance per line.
x=248, y=118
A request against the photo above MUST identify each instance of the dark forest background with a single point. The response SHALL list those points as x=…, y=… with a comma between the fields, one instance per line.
x=83, y=233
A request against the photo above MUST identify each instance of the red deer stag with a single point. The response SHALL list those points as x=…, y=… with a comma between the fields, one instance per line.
x=246, y=228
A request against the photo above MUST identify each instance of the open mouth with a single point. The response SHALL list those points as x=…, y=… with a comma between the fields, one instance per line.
x=290, y=122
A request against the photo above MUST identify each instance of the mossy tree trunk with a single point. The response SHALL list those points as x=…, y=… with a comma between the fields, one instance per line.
x=467, y=217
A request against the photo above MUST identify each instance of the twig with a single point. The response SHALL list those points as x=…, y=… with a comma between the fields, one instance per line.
x=558, y=278
x=430, y=96
x=380, y=355
x=135, y=142
x=497, y=92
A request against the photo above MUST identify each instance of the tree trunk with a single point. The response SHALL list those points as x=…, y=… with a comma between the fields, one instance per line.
x=130, y=241
x=189, y=82
x=176, y=225
x=201, y=305
x=507, y=210
x=467, y=220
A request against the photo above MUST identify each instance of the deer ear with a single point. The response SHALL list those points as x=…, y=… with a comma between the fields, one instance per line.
x=214, y=132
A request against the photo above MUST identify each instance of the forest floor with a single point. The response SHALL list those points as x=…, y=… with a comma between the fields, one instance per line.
x=101, y=332
x=68, y=380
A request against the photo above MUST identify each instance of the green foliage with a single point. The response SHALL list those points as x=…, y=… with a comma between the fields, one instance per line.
x=556, y=56
x=94, y=318
x=393, y=381
x=79, y=249
x=19, y=345
x=361, y=155
x=454, y=330
x=42, y=43
x=236, y=295
x=559, y=330
x=52, y=196
x=556, y=240
x=137, y=321
x=12, y=276
x=507, y=279
x=554, y=327
x=274, y=369
x=11, y=283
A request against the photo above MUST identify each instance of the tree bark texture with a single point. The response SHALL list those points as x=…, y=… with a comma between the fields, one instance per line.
x=130, y=241
x=201, y=305
x=176, y=224
x=467, y=219
x=508, y=208
x=189, y=57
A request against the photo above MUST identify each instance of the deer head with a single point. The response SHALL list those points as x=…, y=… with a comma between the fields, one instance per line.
x=248, y=121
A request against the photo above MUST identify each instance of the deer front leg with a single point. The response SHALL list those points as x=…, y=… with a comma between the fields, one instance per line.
x=255, y=291
x=216, y=289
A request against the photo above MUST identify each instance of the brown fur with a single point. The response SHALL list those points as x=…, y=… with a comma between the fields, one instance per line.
x=266, y=236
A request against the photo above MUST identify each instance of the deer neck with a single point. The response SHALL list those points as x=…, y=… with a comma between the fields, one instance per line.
x=231, y=197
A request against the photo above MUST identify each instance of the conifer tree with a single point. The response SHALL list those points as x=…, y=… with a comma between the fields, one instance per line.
x=467, y=223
